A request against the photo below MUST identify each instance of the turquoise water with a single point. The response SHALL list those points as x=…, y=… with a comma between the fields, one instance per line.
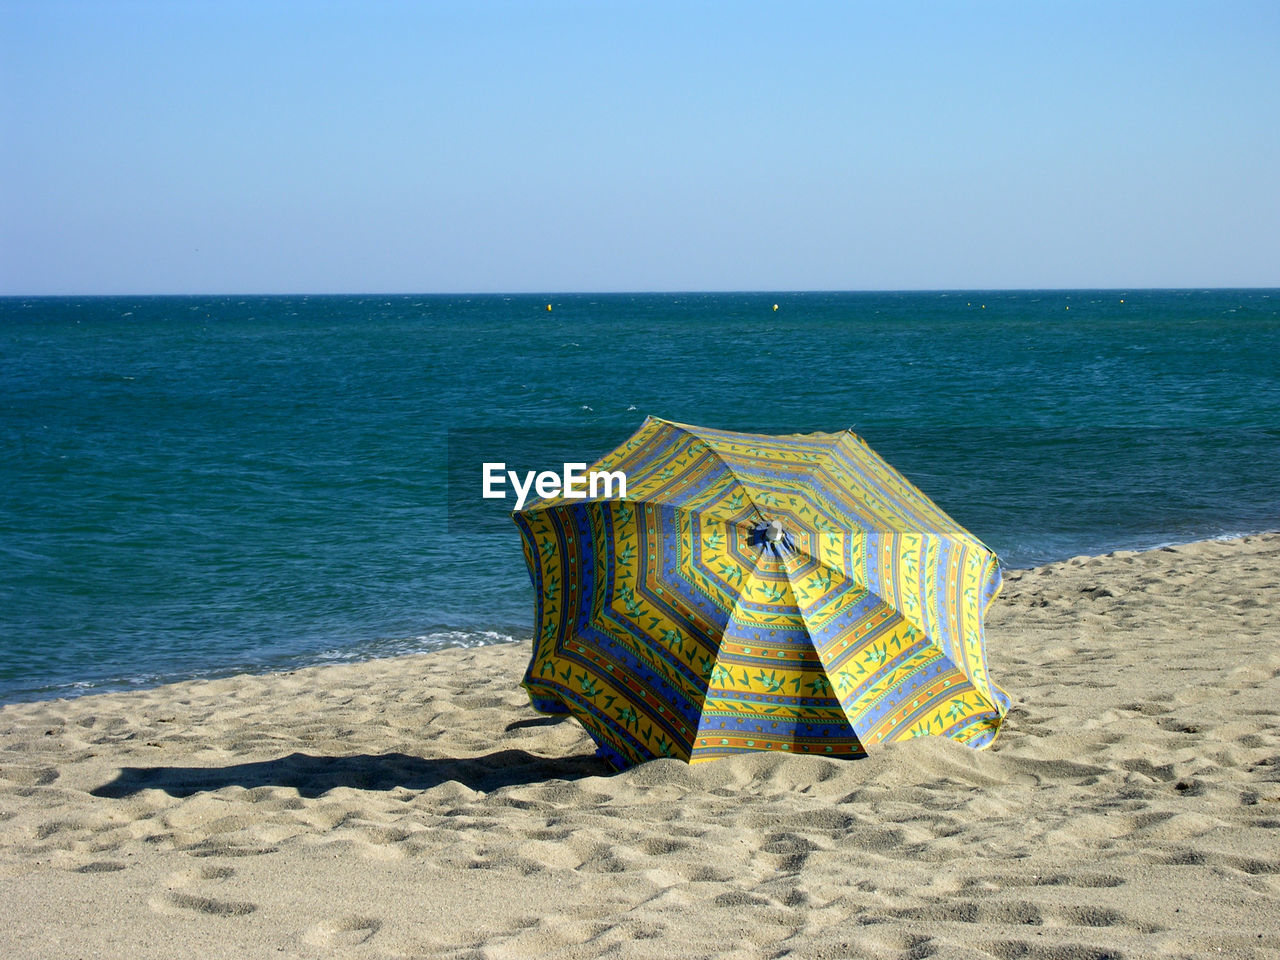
x=209, y=485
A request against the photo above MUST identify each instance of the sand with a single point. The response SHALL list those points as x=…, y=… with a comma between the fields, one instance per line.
x=417, y=807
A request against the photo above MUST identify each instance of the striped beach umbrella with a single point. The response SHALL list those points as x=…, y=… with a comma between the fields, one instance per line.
x=757, y=593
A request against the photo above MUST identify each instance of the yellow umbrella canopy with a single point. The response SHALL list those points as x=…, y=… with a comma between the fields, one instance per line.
x=751, y=592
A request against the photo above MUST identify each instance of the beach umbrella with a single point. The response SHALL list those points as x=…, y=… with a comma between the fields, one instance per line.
x=756, y=593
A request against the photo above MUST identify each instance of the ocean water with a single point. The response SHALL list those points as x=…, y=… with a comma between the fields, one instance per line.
x=195, y=486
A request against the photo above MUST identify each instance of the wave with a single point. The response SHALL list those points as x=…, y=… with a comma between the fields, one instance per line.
x=359, y=652
x=407, y=646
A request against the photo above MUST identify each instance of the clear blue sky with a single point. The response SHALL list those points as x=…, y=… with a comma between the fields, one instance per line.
x=265, y=146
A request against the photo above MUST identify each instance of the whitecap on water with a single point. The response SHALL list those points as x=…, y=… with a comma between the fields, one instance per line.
x=406, y=646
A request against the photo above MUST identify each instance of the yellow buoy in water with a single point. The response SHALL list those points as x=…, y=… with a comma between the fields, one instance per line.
x=548, y=308
x=775, y=306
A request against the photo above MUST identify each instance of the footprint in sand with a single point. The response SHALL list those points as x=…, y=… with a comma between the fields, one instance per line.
x=100, y=866
x=29, y=776
x=176, y=900
x=183, y=878
x=342, y=932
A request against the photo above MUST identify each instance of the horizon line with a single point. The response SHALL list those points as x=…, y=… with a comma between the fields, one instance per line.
x=1208, y=288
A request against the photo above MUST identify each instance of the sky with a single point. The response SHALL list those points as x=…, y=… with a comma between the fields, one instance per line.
x=193, y=146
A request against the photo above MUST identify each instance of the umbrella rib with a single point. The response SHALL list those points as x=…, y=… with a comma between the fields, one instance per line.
x=728, y=468
x=924, y=503
x=804, y=624
x=737, y=606
x=852, y=573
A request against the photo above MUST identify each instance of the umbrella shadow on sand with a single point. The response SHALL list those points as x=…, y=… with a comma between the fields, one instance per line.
x=312, y=776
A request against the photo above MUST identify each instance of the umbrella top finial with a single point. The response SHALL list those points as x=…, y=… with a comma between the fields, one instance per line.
x=773, y=532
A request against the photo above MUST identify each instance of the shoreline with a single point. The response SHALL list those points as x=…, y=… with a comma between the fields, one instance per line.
x=308, y=662
x=417, y=806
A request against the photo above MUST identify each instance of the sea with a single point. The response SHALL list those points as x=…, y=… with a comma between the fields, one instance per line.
x=210, y=485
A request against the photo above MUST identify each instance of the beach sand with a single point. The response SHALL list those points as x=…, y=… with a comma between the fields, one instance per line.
x=418, y=807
